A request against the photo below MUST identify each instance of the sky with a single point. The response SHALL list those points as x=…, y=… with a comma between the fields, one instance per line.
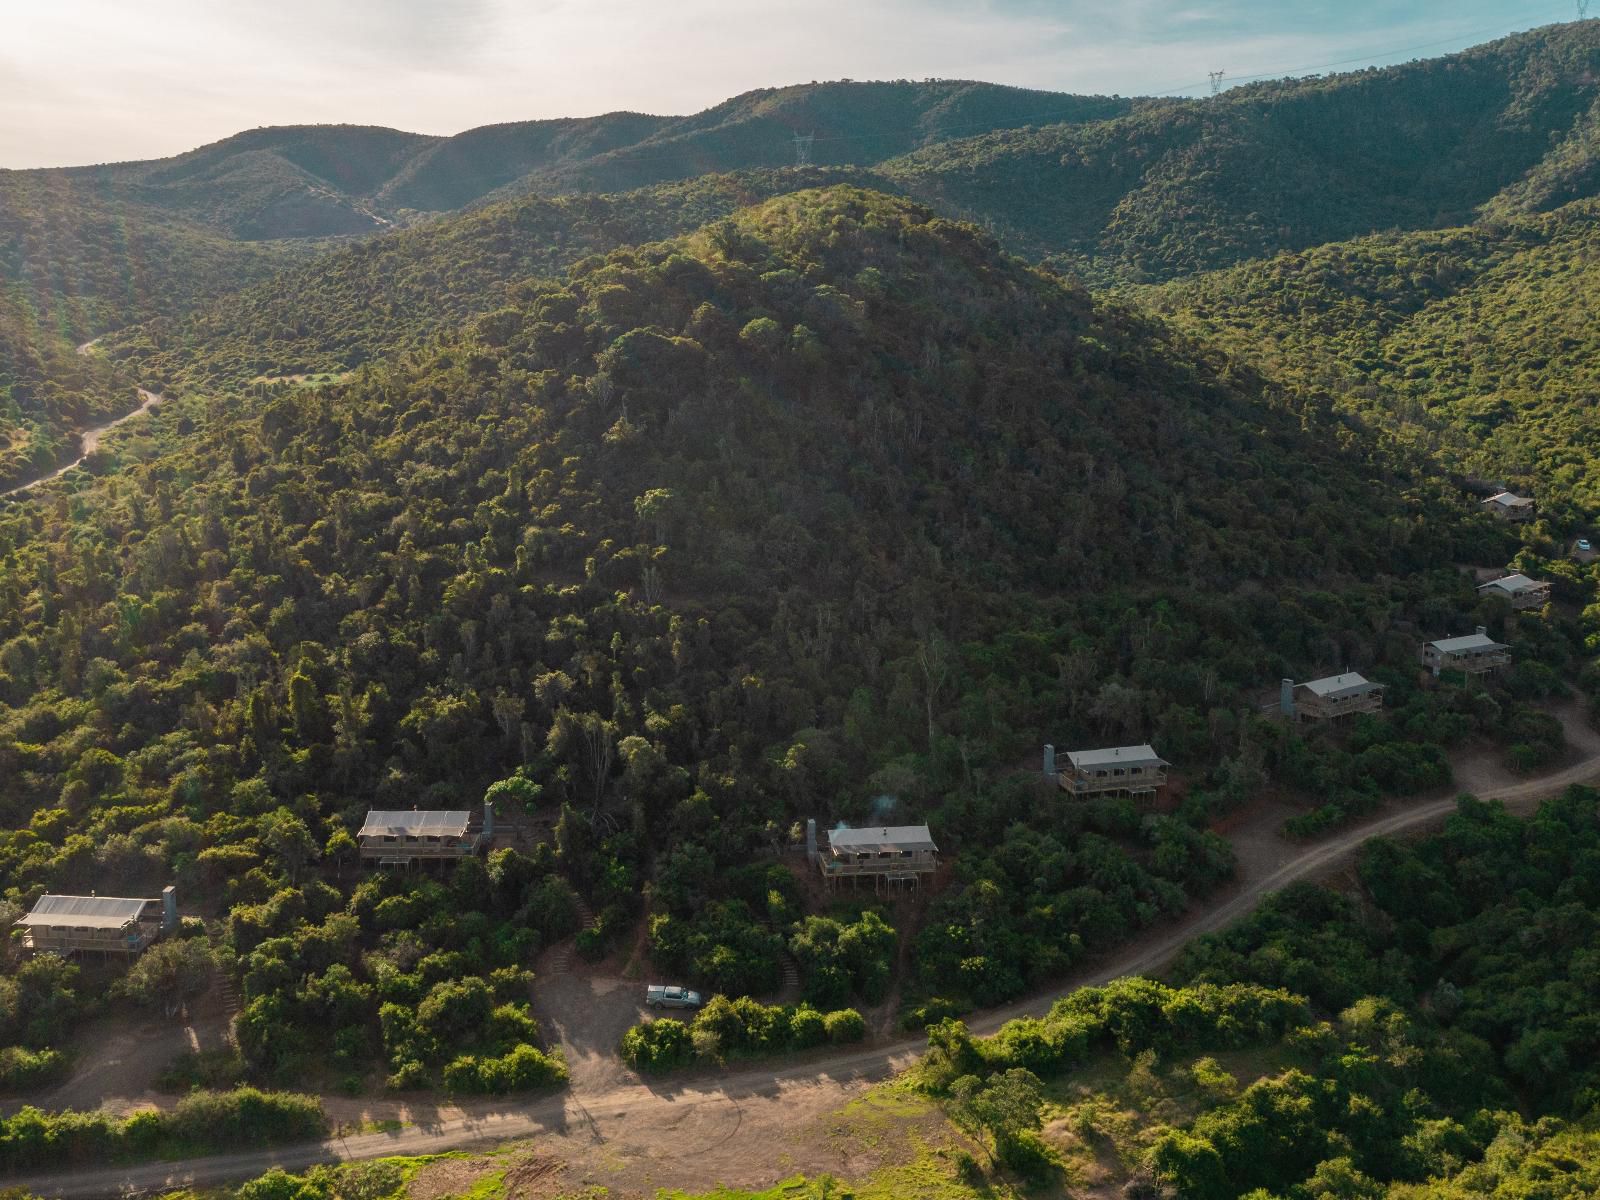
x=87, y=81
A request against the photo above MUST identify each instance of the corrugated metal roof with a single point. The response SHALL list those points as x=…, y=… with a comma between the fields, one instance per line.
x=1508, y=499
x=427, y=822
x=1514, y=584
x=1117, y=756
x=1472, y=641
x=882, y=837
x=92, y=912
x=1336, y=687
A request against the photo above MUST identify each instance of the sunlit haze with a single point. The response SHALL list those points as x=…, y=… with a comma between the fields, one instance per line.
x=105, y=80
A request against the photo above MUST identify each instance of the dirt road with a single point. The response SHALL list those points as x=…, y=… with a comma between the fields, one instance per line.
x=742, y=1123
x=90, y=437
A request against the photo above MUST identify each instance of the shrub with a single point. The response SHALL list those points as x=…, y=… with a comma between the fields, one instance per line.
x=845, y=1025
x=658, y=1045
x=21, y=1069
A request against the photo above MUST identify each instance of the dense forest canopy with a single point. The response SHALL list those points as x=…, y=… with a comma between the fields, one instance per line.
x=723, y=533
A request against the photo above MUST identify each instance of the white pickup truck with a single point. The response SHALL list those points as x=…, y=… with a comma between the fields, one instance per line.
x=658, y=995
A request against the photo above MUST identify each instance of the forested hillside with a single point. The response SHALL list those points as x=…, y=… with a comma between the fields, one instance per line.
x=1475, y=344
x=640, y=554
x=1185, y=186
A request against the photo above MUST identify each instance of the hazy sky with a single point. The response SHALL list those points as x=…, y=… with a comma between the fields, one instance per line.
x=86, y=81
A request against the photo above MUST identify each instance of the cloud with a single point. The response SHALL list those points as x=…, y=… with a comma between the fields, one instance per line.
x=99, y=80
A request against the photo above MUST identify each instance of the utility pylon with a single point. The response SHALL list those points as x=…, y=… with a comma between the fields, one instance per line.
x=1583, y=10
x=1217, y=77
x=802, y=149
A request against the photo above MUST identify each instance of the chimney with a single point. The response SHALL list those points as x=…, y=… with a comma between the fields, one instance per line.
x=1050, y=763
x=488, y=821
x=1286, y=698
x=169, y=909
x=811, y=839
x=1483, y=631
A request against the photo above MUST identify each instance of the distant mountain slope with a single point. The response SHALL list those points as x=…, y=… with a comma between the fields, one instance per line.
x=456, y=171
x=334, y=180
x=391, y=294
x=1478, y=343
x=840, y=124
x=1184, y=186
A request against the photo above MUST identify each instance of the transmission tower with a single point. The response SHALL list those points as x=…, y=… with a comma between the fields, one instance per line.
x=1217, y=76
x=1583, y=9
x=802, y=149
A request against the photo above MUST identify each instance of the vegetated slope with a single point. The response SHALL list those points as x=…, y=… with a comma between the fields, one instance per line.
x=281, y=182
x=1178, y=187
x=73, y=267
x=1476, y=343
x=82, y=264
x=828, y=501
x=47, y=392
x=393, y=293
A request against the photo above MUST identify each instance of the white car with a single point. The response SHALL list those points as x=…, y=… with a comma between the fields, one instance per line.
x=1583, y=546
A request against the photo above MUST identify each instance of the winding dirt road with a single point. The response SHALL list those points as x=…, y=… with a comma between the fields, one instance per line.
x=90, y=437
x=738, y=1120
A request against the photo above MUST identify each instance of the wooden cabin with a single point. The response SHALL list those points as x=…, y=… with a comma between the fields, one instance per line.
x=104, y=924
x=1336, y=696
x=402, y=839
x=890, y=855
x=1474, y=654
x=1510, y=507
x=1136, y=770
x=1524, y=593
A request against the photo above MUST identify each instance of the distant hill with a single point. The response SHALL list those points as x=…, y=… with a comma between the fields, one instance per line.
x=1478, y=344
x=1112, y=188
x=339, y=180
x=1179, y=187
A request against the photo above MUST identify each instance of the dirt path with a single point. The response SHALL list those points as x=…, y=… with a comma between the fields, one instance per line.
x=90, y=437
x=746, y=1125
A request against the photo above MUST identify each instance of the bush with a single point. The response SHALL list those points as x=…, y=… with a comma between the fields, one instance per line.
x=743, y=1026
x=658, y=1045
x=521, y=1070
x=201, y=1122
x=21, y=1069
x=845, y=1025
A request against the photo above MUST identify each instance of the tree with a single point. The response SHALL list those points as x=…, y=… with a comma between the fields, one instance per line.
x=1005, y=1108
x=289, y=841
x=171, y=972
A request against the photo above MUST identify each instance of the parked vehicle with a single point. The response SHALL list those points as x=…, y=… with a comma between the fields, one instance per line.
x=1583, y=546
x=659, y=995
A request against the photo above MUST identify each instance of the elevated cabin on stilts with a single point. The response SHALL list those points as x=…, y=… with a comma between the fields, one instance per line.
x=1474, y=654
x=1522, y=592
x=406, y=838
x=107, y=925
x=1330, y=699
x=892, y=856
x=1137, y=771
